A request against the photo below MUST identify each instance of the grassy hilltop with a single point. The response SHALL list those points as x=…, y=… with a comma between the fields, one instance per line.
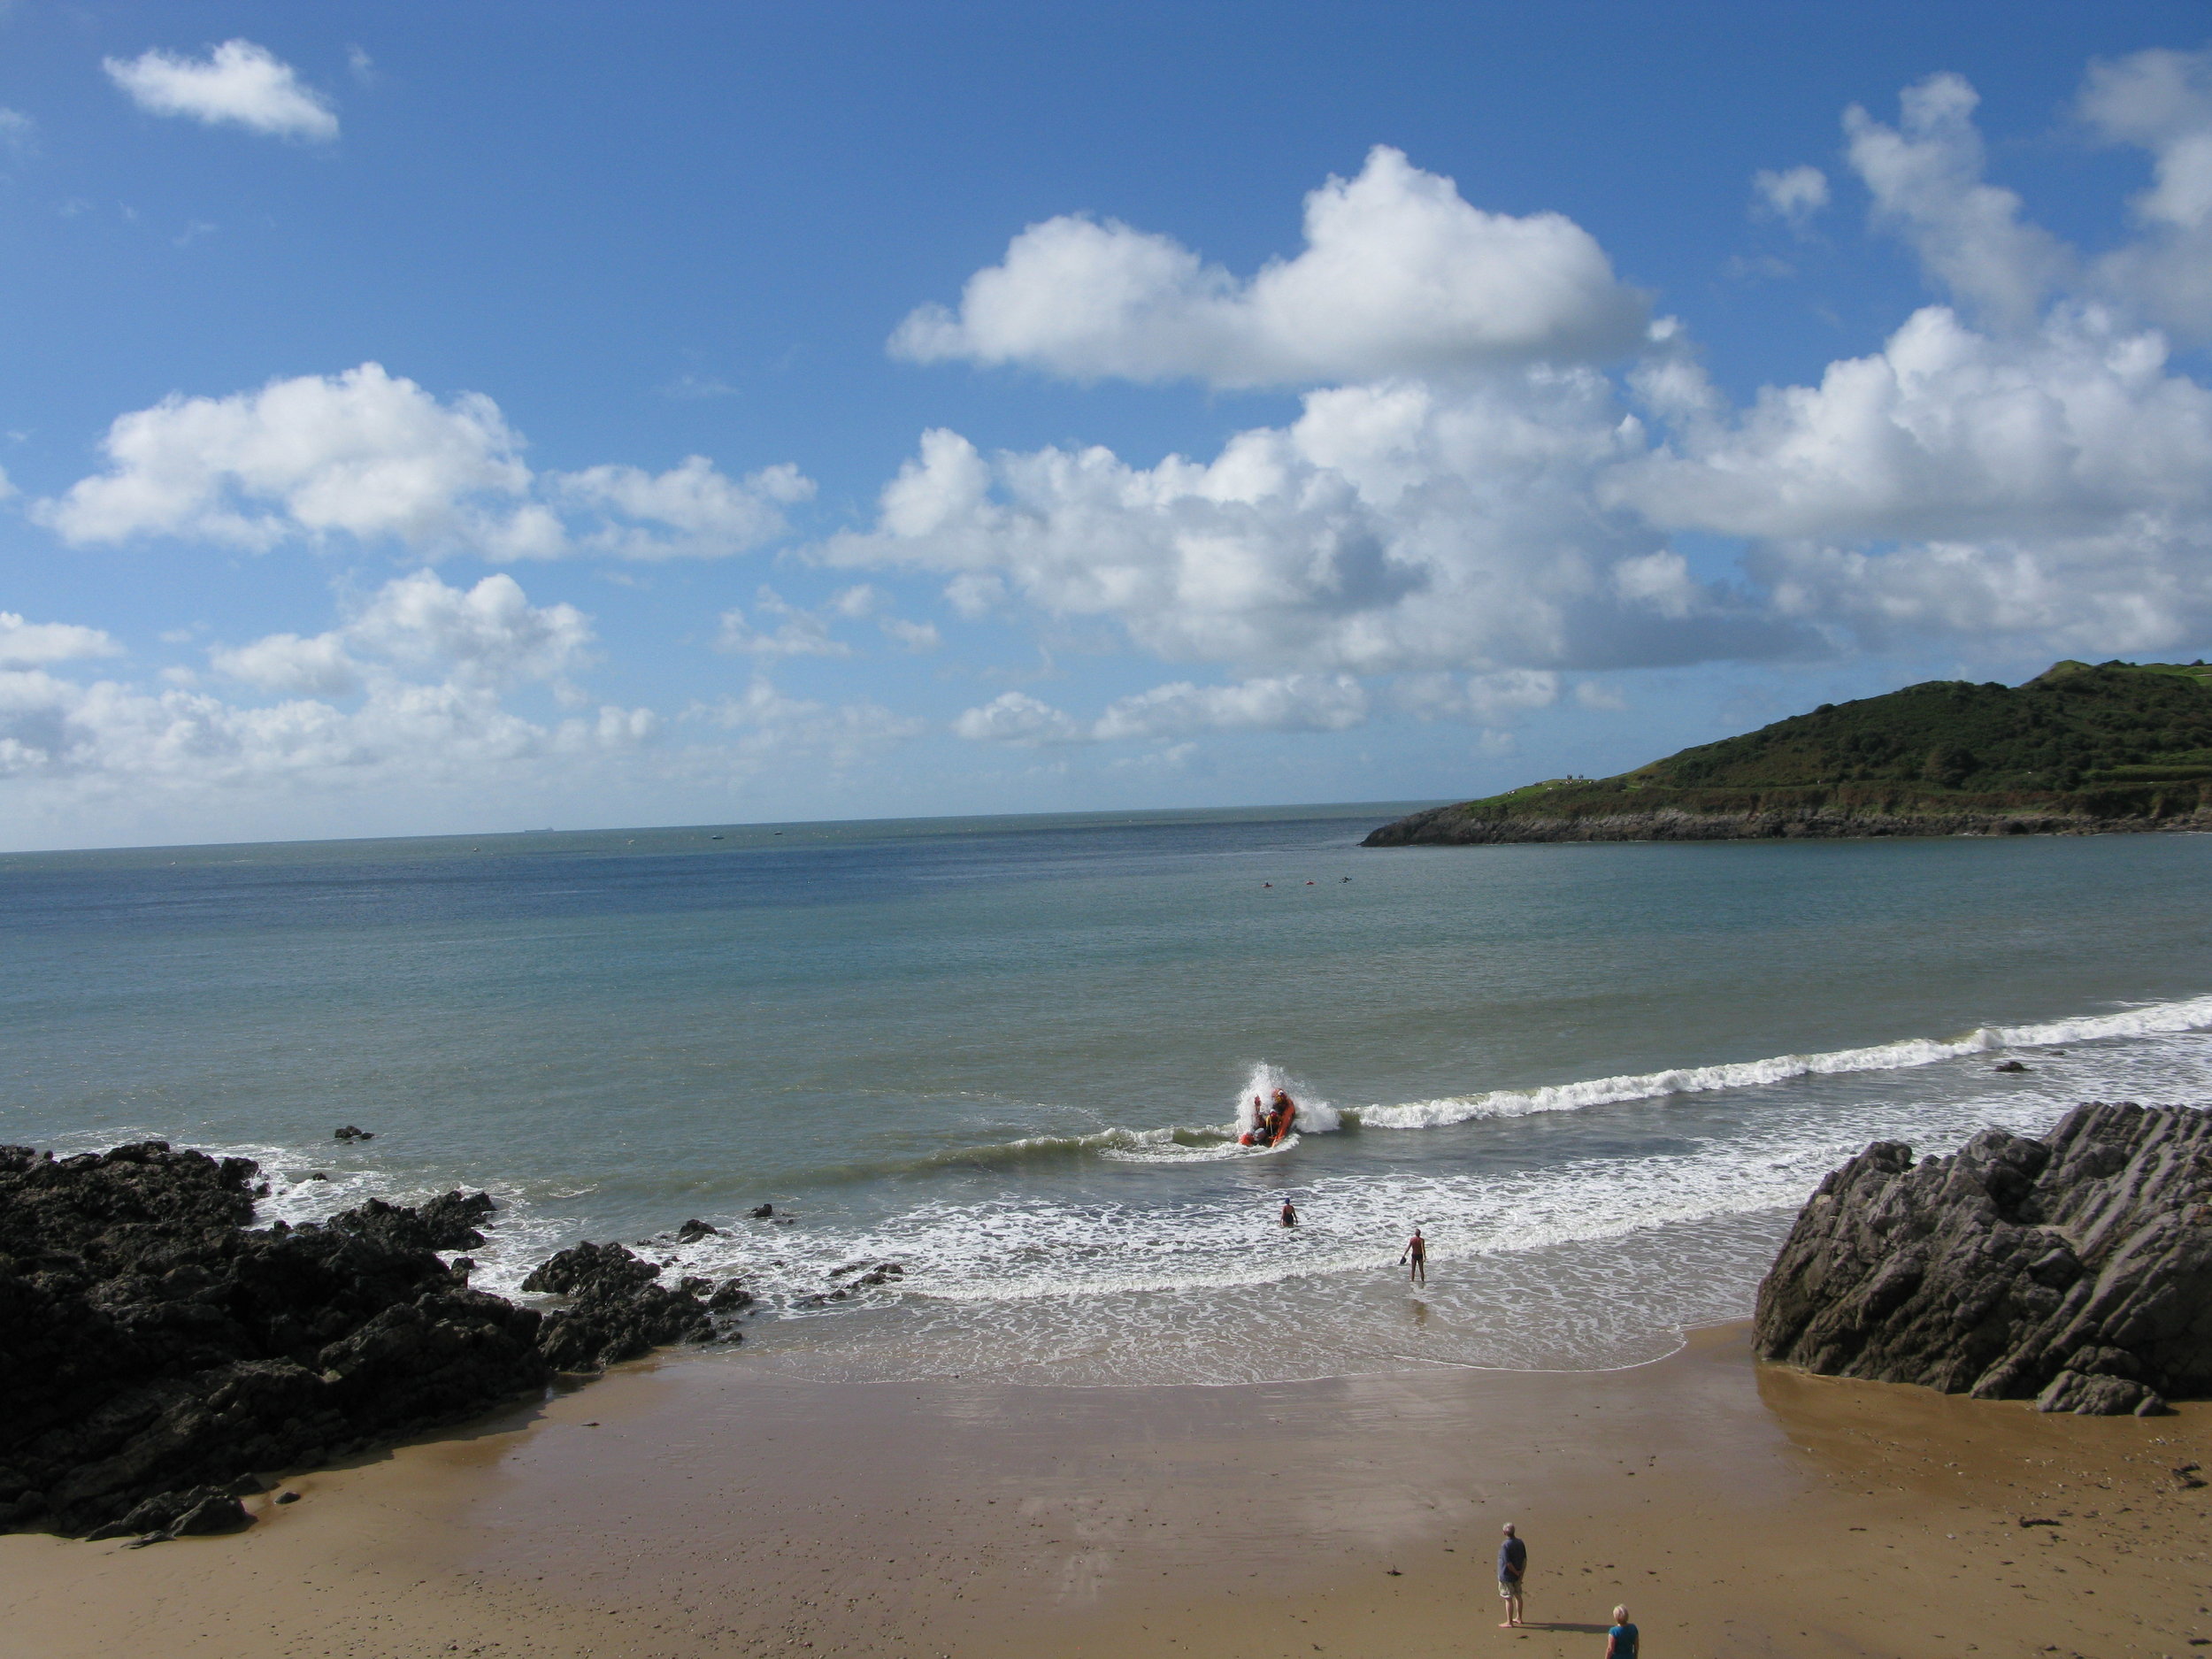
x=2117, y=746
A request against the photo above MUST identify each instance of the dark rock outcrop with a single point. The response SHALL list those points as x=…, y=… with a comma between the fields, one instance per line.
x=156, y=1349
x=615, y=1311
x=155, y=1345
x=187, y=1514
x=2076, y=1270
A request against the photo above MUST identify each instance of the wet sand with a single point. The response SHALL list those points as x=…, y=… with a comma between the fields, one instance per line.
x=699, y=1506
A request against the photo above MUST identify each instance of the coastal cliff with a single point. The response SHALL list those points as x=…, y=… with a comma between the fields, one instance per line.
x=2075, y=1270
x=2077, y=751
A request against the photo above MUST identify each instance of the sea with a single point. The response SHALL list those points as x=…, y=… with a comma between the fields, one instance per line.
x=1008, y=1057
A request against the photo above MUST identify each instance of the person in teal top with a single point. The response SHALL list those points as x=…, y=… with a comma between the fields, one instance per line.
x=1620, y=1641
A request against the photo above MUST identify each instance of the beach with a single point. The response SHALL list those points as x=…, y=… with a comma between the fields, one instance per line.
x=1105, y=1404
x=696, y=1506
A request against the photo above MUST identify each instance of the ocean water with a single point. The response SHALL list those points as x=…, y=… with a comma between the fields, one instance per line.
x=1008, y=1055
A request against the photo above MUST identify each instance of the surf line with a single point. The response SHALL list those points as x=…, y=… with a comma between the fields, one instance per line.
x=2156, y=1019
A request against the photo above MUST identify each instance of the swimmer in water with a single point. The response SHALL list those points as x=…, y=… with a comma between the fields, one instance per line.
x=1290, y=1216
x=1416, y=1259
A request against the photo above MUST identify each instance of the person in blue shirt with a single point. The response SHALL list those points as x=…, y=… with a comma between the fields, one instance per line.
x=1620, y=1641
x=1512, y=1568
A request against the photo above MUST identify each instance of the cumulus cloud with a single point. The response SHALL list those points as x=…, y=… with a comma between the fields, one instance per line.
x=375, y=457
x=2025, y=460
x=2037, y=466
x=1794, y=195
x=710, y=513
x=425, y=667
x=1480, y=699
x=1393, y=527
x=119, y=737
x=1952, y=432
x=25, y=644
x=315, y=666
x=1015, y=716
x=489, y=635
x=1926, y=175
x=797, y=632
x=2162, y=102
x=1290, y=702
x=767, y=724
x=238, y=83
x=1399, y=276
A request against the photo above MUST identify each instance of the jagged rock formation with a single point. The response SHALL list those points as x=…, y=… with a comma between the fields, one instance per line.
x=615, y=1310
x=155, y=1352
x=2076, y=1270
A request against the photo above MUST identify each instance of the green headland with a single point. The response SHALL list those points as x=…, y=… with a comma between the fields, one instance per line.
x=2080, y=749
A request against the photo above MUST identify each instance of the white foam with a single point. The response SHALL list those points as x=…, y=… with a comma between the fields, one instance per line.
x=2153, y=1019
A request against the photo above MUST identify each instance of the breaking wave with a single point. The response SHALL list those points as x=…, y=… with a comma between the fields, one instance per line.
x=1889, y=1056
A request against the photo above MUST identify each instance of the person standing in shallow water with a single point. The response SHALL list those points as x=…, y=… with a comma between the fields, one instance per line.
x=1621, y=1640
x=1512, y=1568
x=1290, y=1216
x=1416, y=1259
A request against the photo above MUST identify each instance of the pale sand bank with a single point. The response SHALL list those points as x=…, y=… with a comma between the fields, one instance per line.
x=717, y=1511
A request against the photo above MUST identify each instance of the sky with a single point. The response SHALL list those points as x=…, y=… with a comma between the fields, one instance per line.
x=445, y=420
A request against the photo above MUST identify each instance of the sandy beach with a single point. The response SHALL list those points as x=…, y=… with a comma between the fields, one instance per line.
x=703, y=1505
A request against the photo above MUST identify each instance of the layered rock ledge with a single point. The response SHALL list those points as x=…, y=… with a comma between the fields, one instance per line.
x=161, y=1356
x=2075, y=1270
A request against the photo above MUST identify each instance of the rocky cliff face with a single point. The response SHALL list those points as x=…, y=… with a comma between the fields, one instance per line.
x=155, y=1351
x=2075, y=1270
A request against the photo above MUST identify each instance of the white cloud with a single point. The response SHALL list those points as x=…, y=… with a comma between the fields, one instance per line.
x=1926, y=179
x=427, y=663
x=710, y=513
x=1391, y=528
x=1952, y=432
x=915, y=636
x=112, y=735
x=318, y=665
x=1794, y=194
x=375, y=457
x=2026, y=462
x=797, y=632
x=769, y=724
x=1478, y=699
x=1291, y=703
x=1399, y=276
x=489, y=634
x=360, y=452
x=238, y=83
x=25, y=644
x=2162, y=101
x=1015, y=716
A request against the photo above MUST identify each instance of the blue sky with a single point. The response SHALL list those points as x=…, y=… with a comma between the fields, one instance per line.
x=419, y=420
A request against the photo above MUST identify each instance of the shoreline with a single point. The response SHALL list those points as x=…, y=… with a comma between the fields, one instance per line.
x=698, y=1505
